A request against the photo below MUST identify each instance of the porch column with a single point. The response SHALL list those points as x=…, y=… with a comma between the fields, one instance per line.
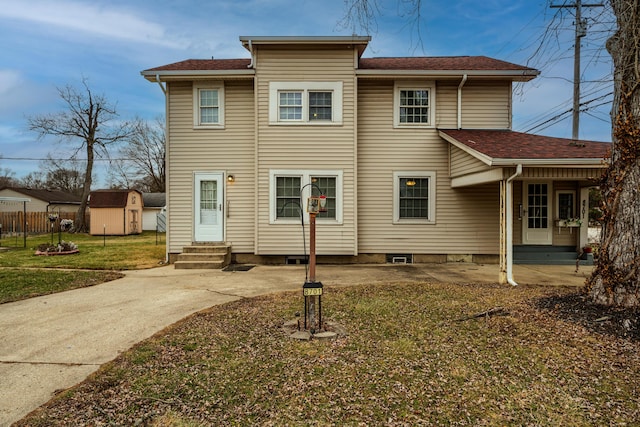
x=502, y=278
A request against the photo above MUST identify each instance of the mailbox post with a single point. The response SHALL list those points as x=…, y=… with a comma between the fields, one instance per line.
x=312, y=289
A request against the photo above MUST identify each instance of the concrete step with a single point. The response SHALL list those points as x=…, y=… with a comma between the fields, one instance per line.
x=211, y=256
x=217, y=257
x=192, y=265
x=206, y=249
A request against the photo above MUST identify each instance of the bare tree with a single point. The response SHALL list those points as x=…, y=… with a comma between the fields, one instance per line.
x=7, y=177
x=616, y=278
x=33, y=180
x=361, y=15
x=141, y=160
x=88, y=123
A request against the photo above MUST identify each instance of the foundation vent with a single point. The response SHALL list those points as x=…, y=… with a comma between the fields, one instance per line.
x=294, y=260
x=399, y=258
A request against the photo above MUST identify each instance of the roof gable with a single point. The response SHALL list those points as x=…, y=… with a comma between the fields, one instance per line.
x=110, y=198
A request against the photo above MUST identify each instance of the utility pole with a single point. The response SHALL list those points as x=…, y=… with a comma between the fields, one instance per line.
x=581, y=31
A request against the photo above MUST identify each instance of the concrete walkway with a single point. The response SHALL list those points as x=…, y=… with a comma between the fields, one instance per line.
x=50, y=343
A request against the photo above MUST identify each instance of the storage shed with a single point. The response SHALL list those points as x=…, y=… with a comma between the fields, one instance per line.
x=116, y=212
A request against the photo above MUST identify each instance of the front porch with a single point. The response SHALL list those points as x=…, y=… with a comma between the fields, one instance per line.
x=549, y=255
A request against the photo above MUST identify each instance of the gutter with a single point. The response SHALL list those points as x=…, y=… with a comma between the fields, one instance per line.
x=509, y=219
x=462, y=82
x=164, y=89
x=250, y=43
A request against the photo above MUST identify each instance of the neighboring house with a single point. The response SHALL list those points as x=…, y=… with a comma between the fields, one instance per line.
x=415, y=155
x=154, y=204
x=116, y=212
x=41, y=200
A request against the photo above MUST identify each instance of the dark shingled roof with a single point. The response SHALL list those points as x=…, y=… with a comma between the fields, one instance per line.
x=109, y=198
x=154, y=200
x=49, y=196
x=205, y=65
x=506, y=144
x=440, y=63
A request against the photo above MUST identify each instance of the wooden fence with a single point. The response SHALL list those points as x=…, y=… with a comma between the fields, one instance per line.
x=12, y=223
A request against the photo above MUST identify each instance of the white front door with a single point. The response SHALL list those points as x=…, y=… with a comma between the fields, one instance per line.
x=537, y=224
x=208, y=207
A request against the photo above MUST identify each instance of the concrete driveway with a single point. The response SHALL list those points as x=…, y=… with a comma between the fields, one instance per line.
x=50, y=343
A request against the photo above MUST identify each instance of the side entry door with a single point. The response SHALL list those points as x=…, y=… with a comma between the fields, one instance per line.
x=208, y=207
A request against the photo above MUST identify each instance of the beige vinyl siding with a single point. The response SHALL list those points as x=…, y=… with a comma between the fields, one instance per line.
x=229, y=150
x=305, y=147
x=467, y=219
x=447, y=105
x=486, y=105
x=35, y=205
x=591, y=174
x=517, y=219
x=463, y=163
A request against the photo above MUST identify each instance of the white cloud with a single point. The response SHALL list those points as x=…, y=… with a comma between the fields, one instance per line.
x=91, y=19
x=9, y=79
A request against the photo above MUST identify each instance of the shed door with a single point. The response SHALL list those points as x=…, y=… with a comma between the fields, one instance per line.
x=537, y=222
x=208, y=209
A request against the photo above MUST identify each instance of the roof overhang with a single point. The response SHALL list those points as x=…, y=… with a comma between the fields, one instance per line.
x=190, y=75
x=15, y=199
x=360, y=42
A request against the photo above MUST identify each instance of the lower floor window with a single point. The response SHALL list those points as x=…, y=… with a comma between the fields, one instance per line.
x=288, y=197
x=290, y=190
x=414, y=197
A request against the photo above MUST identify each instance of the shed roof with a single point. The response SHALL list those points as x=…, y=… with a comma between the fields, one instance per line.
x=49, y=196
x=506, y=147
x=110, y=198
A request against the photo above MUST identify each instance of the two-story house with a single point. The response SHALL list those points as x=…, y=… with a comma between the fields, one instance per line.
x=415, y=156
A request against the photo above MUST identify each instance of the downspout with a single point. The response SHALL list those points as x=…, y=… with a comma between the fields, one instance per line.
x=464, y=80
x=164, y=89
x=509, y=219
x=251, y=51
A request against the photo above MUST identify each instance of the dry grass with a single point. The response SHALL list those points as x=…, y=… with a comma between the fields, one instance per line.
x=408, y=359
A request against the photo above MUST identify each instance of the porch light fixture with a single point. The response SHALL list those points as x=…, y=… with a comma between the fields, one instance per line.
x=411, y=182
x=231, y=178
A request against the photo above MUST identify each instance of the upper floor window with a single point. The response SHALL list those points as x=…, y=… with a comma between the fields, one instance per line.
x=413, y=104
x=208, y=105
x=305, y=103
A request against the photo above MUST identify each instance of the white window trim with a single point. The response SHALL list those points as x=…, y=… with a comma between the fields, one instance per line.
x=305, y=178
x=573, y=196
x=305, y=88
x=432, y=197
x=429, y=86
x=197, y=86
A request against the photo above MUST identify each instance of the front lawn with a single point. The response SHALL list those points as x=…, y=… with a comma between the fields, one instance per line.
x=19, y=284
x=23, y=274
x=96, y=252
x=412, y=356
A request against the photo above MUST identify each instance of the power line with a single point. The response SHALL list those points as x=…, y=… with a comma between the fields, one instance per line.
x=64, y=160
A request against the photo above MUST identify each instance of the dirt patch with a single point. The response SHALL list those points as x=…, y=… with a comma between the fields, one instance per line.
x=577, y=308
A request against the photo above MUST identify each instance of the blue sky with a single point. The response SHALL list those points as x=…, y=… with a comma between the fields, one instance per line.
x=49, y=44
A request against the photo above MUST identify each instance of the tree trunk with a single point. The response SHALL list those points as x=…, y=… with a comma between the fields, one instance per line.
x=81, y=225
x=616, y=277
